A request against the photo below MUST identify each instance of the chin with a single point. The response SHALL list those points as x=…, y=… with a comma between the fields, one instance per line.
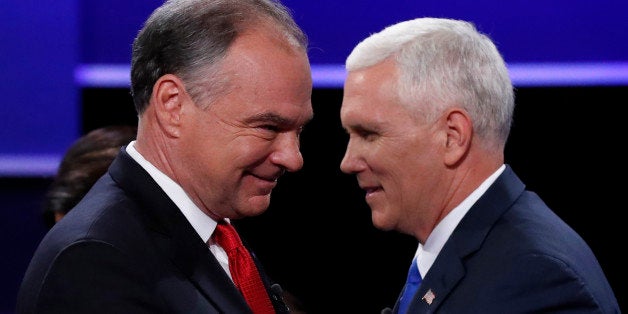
x=381, y=221
x=256, y=205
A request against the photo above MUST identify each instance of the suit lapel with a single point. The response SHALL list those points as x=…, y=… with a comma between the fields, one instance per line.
x=438, y=282
x=175, y=237
x=448, y=268
x=199, y=264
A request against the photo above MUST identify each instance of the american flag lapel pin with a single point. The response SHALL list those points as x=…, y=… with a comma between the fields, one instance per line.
x=429, y=297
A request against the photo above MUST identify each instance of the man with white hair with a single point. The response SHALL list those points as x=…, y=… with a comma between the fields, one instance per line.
x=428, y=105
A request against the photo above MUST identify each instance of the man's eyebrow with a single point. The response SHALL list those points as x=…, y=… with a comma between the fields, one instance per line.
x=268, y=117
x=359, y=128
x=272, y=117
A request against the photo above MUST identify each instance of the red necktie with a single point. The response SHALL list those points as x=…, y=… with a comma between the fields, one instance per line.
x=243, y=270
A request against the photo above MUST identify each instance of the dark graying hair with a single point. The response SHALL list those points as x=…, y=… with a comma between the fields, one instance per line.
x=188, y=38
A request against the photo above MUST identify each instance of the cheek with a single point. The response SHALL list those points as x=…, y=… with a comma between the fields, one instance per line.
x=246, y=151
x=404, y=162
x=397, y=154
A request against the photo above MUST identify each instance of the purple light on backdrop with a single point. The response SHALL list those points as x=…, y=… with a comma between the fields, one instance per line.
x=23, y=165
x=569, y=74
x=333, y=75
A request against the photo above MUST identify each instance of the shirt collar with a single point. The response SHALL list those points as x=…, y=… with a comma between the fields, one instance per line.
x=200, y=221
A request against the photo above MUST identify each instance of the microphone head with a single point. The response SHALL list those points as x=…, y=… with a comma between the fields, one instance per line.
x=276, y=288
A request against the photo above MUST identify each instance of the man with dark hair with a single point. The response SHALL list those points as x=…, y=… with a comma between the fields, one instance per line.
x=222, y=90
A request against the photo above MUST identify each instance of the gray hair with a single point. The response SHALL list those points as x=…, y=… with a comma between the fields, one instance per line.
x=445, y=63
x=189, y=38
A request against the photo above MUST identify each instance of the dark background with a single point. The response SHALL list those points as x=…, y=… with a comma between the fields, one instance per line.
x=317, y=239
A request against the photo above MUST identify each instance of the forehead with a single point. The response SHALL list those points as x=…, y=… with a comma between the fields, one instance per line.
x=268, y=79
x=379, y=80
x=263, y=54
x=372, y=94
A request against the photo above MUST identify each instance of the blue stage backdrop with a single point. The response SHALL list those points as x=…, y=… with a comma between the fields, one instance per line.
x=51, y=49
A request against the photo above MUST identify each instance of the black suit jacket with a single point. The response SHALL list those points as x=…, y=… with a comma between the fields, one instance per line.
x=512, y=254
x=126, y=248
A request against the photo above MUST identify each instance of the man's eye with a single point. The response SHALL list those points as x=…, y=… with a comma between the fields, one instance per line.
x=367, y=135
x=270, y=127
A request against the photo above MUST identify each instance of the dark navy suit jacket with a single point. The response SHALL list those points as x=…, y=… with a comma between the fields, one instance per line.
x=126, y=248
x=512, y=254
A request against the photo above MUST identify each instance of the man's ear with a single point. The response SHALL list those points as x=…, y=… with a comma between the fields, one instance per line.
x=459, y=135
x=169, y=95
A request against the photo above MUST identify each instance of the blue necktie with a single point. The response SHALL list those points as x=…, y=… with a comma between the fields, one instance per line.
x=412, y=285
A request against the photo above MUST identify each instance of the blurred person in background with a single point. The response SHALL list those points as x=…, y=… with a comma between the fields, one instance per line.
x=85, y=161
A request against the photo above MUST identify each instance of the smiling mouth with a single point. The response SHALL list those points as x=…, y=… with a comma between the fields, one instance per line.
x=371, y=190
x=269, y=179
x=266, y=178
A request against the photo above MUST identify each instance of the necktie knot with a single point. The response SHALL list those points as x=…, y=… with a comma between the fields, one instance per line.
x=227, y=237
x=414, y=276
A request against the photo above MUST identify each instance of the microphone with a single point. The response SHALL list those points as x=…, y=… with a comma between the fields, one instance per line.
x=386, y=311
x=277, y=297
x=276, y=290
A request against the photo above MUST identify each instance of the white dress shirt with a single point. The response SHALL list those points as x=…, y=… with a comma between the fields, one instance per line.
x=427, y=253
x=201, y=222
